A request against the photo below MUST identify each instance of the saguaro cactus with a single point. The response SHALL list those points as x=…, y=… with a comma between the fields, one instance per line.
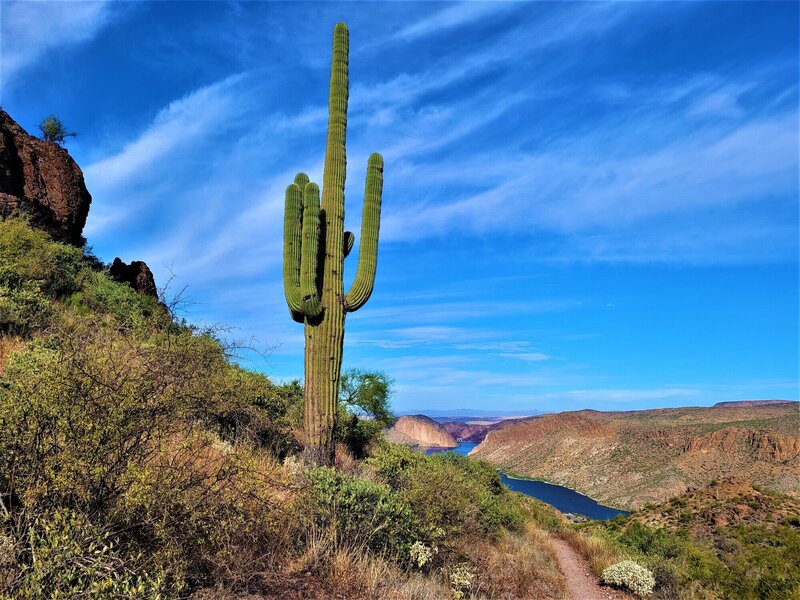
x=314, y=247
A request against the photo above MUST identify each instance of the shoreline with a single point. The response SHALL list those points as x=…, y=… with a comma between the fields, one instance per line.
x=517, y=477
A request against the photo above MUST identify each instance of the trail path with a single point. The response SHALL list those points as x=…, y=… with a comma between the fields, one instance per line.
x=581, y=583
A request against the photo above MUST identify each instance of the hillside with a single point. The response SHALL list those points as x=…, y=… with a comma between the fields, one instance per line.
x=138, y=460
x=421, y=431
x=627, y=459
x=728, y=539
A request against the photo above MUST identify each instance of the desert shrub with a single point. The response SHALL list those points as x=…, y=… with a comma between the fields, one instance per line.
x=461, y=578
x=33, y=257
x=452, y=496
x=459, y=496
x=628, y=574
x=99, y=421
x=357, y=433
x=742, y=561
x=23, y=308
x=78, y=407
x=98, y=295
x=365, y=513
x=392, y=462
x=33, y=272
x=74, y=558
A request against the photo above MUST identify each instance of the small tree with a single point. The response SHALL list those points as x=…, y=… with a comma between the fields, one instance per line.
x=54, y=130
x=363, y=394
x=367, y=393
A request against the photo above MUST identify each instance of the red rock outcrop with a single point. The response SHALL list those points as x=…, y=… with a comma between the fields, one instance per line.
x=41, y=180
x=137, y=274
x=467, y=432
x=419, y=430
x=768, y=446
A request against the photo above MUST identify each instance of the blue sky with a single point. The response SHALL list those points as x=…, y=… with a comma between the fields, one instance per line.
x=585, y=204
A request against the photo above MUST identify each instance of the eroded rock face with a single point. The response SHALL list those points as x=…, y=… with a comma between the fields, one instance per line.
x=42, y=180
x=629, y=459
x=419, y=430
x=137, y=274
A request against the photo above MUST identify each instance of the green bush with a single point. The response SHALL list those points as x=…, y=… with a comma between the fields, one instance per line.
x=743, y=561
x=452, y=496
x=73, y=558
x=23, y=308
x=33, y=271
x=365, y=513
x=98, y=295
x=101, y=421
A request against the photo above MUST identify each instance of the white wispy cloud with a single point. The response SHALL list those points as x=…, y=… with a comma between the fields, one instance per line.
x=200, y=113
x=31, y=29
x=527, y=356
x=453, y=16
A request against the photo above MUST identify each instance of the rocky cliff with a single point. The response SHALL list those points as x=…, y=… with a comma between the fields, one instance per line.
x=41, y=180
x=467, y=432
x=627, y=459
x=422, y=431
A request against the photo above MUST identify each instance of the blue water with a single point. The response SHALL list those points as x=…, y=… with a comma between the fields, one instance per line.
x=564, y=499
x=463, y=449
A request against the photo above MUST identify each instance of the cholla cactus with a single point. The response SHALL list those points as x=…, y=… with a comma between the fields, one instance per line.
x=421, y=554
x=630, y=575
x=461, y=580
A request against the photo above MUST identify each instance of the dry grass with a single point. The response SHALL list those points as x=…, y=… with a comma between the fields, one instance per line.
x=519, y=565
x=597, y=551
x=8, y=345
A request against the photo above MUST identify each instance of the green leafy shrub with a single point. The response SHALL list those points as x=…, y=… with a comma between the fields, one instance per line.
x=73, y=558
x=98, y=295
x=100, y=421
x=33, y=271
x=629, y=575
x=451, y=495
x=23, y=308
x=364, y=512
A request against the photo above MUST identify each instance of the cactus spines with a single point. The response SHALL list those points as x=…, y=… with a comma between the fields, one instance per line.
x=314, y=247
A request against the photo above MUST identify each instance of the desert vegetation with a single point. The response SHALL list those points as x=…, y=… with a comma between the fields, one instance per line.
x=137, y=460
x=728, y=540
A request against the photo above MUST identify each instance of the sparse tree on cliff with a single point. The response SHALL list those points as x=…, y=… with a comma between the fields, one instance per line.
x=54, y=130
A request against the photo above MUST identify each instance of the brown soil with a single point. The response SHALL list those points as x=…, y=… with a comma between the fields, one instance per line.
x=581, y=583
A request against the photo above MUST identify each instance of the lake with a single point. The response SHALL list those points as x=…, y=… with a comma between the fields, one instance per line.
x=564, y=499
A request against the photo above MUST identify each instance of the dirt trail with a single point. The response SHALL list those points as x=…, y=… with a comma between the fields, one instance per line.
x=581, y=583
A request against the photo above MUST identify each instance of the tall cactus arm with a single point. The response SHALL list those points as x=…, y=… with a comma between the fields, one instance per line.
x=368, y=245
x=292, y=223
x=333, y=177
x=309, y=292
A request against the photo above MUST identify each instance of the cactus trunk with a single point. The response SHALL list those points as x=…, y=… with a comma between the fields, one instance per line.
x=315, y=245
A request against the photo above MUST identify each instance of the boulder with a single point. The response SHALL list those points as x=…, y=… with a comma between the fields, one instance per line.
x=137, y=274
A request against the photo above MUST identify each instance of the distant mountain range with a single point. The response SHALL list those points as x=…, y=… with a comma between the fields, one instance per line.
x=472, y=414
